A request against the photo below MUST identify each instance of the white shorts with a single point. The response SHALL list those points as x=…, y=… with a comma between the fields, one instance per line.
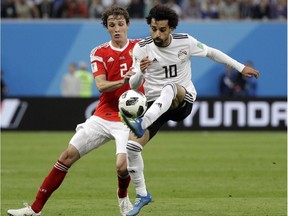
x=95, y=132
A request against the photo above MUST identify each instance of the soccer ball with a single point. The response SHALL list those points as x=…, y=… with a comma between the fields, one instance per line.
x=132, y=104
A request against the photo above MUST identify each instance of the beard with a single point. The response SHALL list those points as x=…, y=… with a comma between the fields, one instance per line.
x=158, y=42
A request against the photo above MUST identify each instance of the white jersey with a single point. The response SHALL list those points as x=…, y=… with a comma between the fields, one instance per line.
x=170, y=64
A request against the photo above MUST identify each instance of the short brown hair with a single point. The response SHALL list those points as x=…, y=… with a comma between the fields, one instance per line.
x=116, y=11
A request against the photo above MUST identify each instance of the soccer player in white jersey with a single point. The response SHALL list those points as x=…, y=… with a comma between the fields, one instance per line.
x=110, y=67
x=163, y=61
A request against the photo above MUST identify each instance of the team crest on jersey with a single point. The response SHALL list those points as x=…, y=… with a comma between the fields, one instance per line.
x=182, y=54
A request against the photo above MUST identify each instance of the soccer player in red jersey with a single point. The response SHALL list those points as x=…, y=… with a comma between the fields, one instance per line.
x=110, y=64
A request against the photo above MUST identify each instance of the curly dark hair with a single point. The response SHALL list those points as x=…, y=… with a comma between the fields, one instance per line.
x=116, y=11
x=162, y=12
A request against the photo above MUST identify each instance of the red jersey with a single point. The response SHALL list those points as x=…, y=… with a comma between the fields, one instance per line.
x=114, y=63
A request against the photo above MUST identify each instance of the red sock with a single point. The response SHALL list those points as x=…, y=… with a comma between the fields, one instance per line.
x=49, y=185
x=123, y=183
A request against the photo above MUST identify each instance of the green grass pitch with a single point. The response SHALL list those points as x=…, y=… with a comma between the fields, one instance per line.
x=187, y=173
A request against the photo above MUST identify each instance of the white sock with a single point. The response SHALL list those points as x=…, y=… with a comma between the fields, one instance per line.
x=135, y=166
x=160, y=105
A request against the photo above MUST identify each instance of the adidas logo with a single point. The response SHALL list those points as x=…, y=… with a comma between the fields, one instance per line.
x=154, y=60
x=159, y=104
x=110, y=59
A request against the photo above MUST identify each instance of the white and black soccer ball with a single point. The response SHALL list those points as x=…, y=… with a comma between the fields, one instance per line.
x=132, y=104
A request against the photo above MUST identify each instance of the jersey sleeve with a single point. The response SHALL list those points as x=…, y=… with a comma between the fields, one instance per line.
x=137, y=79
x=219, y=56
x=202, y=50
x=138, y=54
x=196, y=47
x=97, y=62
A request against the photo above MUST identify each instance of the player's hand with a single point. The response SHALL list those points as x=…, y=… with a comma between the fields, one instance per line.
x=249, y=72
x=128, y=75
x=144, y=64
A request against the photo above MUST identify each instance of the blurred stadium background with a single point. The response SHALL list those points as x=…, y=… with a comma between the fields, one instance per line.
x=35, y=55
x=36, y=52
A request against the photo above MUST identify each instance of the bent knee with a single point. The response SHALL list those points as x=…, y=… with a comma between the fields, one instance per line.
x=181, y=92
x=121, y=164
x=69, y=156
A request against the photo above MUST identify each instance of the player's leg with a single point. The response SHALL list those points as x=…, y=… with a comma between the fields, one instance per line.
x=55, y=177
x=181, y=108
x=160, y=105
x=135, y=162
x=77, y=148
x=50, y=183
x=136, y=171
x=171, y=96
x=123, y=175
x=81, y=143
x=123, y=183
x=120, y=134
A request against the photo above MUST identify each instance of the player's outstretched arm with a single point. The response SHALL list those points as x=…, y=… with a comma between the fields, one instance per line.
x=250, y=72
x=219, y=56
